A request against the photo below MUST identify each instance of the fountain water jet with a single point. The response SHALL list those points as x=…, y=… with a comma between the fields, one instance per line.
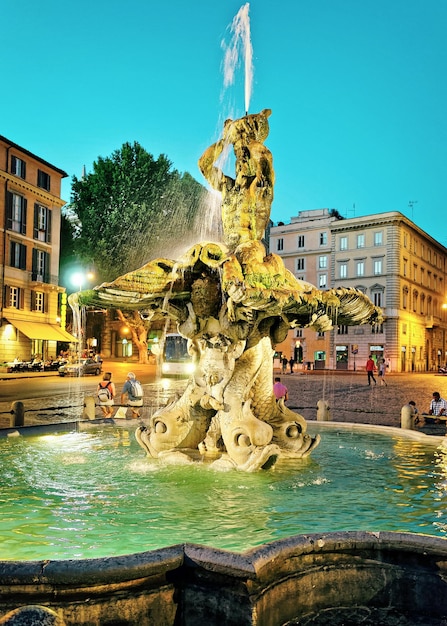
x=240, y=28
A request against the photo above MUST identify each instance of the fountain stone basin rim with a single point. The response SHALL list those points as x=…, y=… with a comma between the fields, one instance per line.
x=272, y=584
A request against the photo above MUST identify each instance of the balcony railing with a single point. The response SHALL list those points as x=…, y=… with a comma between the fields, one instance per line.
x=48, y=279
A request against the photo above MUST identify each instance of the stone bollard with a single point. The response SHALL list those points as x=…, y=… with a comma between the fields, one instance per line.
x=17, y=415
x=323, y=411
x=407, y=417
x=89, y=408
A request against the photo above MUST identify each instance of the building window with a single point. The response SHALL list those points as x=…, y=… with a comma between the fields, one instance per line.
x=41, y=265
x=38, y=301
x=300, y=241
x=17, y=255
x=360, y=241
x=343, y=270
x=16, y=213
x=42, y=223
x=422, y=304
x=377, y=329
x=415, y=301
x=342, y=330
x=320, y=334
x=343, y=243
x=280, y=244
x=43, y=180
x=322, y=262
x=377, y=266
x=360, y=268
x=299, y=333
x=322, y=281
x=377, y=298
x=300, y=264
x=18, y=167
x=323, y=239
x=404, y=297
x=378, y=238
x=14, y=297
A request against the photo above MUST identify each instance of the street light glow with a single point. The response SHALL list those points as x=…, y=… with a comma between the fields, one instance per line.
x=80, y=278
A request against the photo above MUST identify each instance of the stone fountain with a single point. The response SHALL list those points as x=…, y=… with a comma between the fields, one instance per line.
x=234, y=303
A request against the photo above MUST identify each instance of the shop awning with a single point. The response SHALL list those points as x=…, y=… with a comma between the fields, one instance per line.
x=38, y=330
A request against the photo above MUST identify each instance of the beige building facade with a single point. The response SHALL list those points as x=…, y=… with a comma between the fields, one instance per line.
x=390, y=259
x=31, y=301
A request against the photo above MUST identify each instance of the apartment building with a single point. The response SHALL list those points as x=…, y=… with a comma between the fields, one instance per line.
x=30, y=214
x=390, y=259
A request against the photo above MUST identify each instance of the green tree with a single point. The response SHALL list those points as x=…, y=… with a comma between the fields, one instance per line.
x=130, y=209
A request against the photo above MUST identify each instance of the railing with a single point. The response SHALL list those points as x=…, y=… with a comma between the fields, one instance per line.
x=49, y=279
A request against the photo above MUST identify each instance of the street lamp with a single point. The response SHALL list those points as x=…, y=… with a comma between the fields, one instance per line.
x=79, y=278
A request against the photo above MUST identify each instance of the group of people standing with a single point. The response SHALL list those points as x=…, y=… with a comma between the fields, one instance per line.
x=371, y=367
x=131, y=395
x=287, y=362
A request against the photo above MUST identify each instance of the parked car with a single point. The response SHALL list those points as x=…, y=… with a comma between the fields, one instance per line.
x=84, y=366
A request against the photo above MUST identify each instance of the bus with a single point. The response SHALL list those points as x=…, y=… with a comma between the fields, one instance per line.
x=175, y=358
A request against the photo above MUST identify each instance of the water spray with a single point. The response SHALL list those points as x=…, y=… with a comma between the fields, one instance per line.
x=240, y=45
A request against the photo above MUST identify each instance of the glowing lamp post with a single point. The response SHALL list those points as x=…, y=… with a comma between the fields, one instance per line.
x=80, y=278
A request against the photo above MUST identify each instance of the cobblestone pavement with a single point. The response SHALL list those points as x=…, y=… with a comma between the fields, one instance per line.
x=350, y=399
x=348, y=395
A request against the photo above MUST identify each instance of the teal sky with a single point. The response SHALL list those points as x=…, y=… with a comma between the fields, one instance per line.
x=357, y=88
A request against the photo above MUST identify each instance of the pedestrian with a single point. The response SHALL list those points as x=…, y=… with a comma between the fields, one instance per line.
x=291, y=363
x=382, y=372
x=370, y=367
x=438, y=409
x=280, y=390
x=284, y=362
x=132, y=394
x=106, y=392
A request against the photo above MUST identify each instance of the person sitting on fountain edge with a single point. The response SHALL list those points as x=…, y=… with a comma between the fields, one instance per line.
x=106, y=392
x=133, y=391
x=438, y=409
x=280, y=390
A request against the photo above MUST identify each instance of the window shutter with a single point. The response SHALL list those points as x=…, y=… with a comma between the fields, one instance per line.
x=34, y=268
x=22, y=257
x=24, y=208
x=36, y=221
x=47, y=268
x=21, y=298
x=45, y=303
x=49, y=216
x=33, y=300
x=9, y=210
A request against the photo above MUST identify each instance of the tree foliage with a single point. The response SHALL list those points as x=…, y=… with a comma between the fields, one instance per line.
x=130, y=209
x=127, y=205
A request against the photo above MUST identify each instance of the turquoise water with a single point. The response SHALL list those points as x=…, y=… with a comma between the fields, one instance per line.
x=85, y=495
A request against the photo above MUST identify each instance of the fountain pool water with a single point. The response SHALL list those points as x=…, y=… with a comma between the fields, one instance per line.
x=94, y=494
